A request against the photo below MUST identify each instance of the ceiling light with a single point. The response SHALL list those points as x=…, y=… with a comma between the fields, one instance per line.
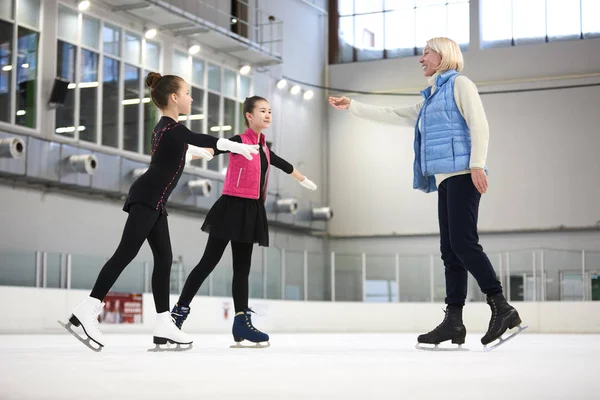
x=281, y=84
x=150, y=33
x=245, y=70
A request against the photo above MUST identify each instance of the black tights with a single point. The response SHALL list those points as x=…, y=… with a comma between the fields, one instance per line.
x=242, y=258
x=143, y=223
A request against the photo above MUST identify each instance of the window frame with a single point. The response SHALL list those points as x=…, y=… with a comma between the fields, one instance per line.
x=12, y=123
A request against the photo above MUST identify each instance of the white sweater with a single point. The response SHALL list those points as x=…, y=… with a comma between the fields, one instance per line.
x=468, y=103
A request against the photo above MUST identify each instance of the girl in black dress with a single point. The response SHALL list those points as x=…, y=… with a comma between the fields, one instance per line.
x=239, y=217
x=146, y=205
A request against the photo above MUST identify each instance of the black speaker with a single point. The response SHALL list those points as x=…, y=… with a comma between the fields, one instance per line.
x=58, y=95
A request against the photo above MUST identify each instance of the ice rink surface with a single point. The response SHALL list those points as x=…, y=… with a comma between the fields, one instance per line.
x=299, y=366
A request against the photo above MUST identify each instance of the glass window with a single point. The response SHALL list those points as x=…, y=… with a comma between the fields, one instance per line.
x=346, y=39
x=110, y=102
x=400, y=27
x=214, y=77
x=399, y=4
x=564, y=19
x=27, y=77
x=430, y=22
x=213, y=122
x=229, y=83
x=67, y=24
x=6, y=69
x=529, y=20
x=181, y=65
x=91, y=32
x=590, y=23
x=111, y=40
x=6, y=10
x=368, y=36
x=496, y=23
x=196, y=117
x=152, y=56
x=345, y=7
x=88, y=96
x=241, y=120
x=131, y=106
x=426, y=3
x=228, y=127
x=400, y=33
x=506, y=22
x=133, y=48
x=151, y=116
x=458, y=18
x=371, y=6
x=245, y=83
x=198, y=72
x=28, y=12
x=66, y=57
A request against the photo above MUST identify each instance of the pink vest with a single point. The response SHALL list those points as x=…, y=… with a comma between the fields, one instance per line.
x=243, y=175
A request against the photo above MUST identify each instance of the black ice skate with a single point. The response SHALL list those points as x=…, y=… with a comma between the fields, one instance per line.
x=451, y=328
x=504, y=317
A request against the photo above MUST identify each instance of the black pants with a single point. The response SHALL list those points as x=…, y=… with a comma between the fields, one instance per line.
x=143, y=223
x=458, y=208
x=215, y=247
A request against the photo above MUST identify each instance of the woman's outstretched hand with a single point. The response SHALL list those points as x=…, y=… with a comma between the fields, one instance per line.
x=339, y=103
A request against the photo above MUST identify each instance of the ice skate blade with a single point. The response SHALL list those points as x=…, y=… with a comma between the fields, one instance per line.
x=243, y=345
x=501, y=341
x=169, y=347
x=88, y=341
x=436, y=347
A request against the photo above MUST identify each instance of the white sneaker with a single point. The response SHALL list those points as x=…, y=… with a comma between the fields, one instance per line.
x=166, y=331
x=86, y=315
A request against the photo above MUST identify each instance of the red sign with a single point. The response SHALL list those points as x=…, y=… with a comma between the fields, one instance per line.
x=122, y=308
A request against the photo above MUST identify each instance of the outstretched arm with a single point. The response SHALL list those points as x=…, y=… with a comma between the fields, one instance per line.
x=236, y=138
x=406, y=116
x=288, y=168
x=201, y=140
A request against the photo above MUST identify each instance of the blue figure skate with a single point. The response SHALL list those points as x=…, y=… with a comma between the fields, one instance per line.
x=179, y=314
x=243, y=330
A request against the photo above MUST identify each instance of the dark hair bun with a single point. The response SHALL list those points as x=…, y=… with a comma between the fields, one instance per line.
x=152, y=79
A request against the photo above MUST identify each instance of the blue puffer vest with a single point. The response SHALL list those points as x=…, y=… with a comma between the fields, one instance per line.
x=442, y=138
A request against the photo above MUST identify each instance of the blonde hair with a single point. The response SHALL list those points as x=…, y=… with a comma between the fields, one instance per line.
x=452, y=57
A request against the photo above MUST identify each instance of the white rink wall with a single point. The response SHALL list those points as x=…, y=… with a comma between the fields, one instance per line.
x=34, y=310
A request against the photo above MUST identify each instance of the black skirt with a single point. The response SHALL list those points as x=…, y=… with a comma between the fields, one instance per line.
x=238, y=220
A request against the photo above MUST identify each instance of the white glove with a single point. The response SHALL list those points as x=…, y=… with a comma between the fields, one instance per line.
x=245, y=150
x=307, y=183
x=199, y=152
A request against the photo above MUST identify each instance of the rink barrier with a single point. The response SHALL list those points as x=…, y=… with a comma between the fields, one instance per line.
x=39, y=310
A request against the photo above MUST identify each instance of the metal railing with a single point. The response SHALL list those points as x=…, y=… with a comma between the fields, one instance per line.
x=526, y=275
x=257, y=28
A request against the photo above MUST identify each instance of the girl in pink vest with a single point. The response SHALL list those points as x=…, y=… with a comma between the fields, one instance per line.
x=239, y=217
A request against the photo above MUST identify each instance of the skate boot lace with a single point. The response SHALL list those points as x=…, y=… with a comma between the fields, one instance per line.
x=445, y=318
x=492, y=304
x=249, y=321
